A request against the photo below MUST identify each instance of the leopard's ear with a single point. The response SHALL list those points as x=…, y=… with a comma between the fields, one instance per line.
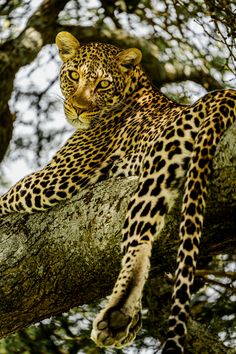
x=129, y=58
x=67, y=44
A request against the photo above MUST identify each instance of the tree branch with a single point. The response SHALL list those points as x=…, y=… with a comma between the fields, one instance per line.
x=21, y=51
x=50, y=262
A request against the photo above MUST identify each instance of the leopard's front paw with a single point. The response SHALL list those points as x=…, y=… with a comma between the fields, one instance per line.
x=115, y=328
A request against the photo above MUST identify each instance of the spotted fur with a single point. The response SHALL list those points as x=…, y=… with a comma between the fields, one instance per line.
x=127, y=127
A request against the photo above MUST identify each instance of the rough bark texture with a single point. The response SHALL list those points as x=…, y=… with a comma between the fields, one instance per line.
x=50, y=262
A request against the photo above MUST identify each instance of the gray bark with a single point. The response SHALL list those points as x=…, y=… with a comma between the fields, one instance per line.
x=70, y=255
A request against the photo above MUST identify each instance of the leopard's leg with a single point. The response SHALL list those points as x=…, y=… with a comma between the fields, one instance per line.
x=117, y=324
x=79, y=163
x=192, y=221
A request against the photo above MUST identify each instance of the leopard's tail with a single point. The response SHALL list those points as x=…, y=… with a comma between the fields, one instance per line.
x=211, y=130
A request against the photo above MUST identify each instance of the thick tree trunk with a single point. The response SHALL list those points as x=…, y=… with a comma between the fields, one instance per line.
x=50, y=262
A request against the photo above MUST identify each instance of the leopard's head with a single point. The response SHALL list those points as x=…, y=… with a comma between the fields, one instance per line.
x=95, y=77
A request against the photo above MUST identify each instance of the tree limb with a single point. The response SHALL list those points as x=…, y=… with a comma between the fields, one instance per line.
x=21, y=51
x=50, y=262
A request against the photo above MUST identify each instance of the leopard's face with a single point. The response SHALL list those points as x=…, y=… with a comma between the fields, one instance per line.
x=94, y=78
x=91, y=84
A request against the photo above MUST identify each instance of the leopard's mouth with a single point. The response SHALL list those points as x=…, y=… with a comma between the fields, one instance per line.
x=84, y=115
x=82, y=118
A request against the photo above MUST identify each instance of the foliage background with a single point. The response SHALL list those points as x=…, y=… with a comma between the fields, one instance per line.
x=188, y=49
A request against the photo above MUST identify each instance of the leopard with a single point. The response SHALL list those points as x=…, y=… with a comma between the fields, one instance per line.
x=125, y=126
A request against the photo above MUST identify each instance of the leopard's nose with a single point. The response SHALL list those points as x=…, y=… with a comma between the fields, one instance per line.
x=83, y=105
x=82, y=99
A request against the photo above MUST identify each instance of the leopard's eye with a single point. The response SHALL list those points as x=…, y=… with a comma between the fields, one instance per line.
x=73, y=75
x=103, y=84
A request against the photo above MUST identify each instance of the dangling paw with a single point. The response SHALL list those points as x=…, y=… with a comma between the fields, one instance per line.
x=114, y=327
